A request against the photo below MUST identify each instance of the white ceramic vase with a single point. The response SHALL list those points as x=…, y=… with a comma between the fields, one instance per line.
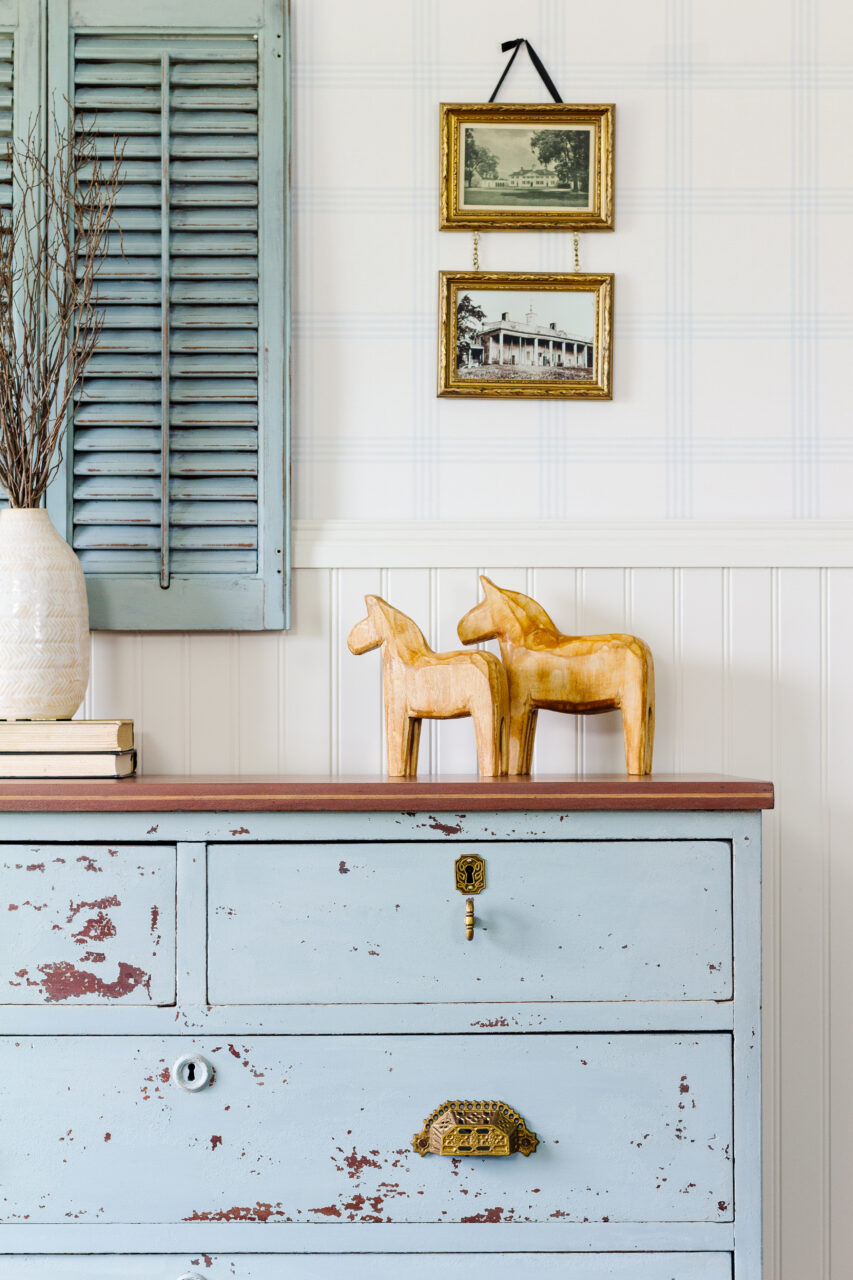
x=44, y=620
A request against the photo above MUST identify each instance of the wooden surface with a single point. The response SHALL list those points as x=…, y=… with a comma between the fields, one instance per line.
x=262, y=794
x=419, y=684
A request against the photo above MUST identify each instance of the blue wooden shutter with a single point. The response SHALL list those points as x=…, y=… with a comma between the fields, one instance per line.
x=176, y=470
x=21, y=88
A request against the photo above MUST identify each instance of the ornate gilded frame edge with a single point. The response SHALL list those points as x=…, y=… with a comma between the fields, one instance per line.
x=600, y=385
x=599, y=218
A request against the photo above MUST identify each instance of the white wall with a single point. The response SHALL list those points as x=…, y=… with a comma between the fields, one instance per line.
x=734, y=184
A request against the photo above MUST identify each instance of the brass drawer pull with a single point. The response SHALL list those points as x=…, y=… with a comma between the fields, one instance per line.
x=469, y=918
x=474, y=1129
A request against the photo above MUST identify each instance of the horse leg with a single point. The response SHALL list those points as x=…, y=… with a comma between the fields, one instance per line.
x=638, y=717
x=532, y=720
x=403, y=735
x=649, y=716
x=490, y=713
x=650, y=737
x=413, y=746
x=522, y=729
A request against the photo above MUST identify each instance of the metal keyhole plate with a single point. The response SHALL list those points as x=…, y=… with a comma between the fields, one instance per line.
x=191, y=1275
x=470, y=873
x=192, y=1073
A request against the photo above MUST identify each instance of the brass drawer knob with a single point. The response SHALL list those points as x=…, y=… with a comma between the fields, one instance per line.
x=469, y=918
x=474, y=1129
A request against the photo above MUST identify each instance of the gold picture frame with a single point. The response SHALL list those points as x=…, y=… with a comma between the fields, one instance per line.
x=560, y=347
x=526, y=167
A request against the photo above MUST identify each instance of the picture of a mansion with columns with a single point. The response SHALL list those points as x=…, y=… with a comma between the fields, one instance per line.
x=508, y=342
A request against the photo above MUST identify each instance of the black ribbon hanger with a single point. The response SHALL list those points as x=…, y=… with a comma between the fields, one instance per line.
x=515, y=45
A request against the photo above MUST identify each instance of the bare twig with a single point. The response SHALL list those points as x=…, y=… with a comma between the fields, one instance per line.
x=52, y=241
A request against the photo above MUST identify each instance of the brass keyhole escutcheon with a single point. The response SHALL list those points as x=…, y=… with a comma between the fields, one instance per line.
x=470, y=873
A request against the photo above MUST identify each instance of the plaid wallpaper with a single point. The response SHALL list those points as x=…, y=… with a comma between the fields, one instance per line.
x=733, y=312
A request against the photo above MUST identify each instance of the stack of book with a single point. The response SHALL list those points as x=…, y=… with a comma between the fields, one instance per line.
x=66, y=749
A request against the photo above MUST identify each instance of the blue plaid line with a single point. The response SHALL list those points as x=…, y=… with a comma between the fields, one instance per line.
x=653, y=201
x=578, y=74
x=678, y=262
x=419, y=438
x=591, y=449
x=805, y=350
x=401, y=326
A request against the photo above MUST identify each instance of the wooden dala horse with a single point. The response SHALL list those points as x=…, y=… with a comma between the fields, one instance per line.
x=580, y=674
x=419, y=683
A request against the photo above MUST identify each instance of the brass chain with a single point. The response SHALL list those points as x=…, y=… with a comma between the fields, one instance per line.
x=476, y=238
x=577, y=250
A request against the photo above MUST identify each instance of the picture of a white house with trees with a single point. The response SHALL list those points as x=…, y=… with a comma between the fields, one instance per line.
x=516, y=335
x=509, y=166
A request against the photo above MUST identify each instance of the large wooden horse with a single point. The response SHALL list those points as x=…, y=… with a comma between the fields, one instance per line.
x=580, y=674
x=422, y=684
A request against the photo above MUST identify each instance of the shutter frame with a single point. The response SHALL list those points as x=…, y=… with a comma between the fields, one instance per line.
x=227, y=600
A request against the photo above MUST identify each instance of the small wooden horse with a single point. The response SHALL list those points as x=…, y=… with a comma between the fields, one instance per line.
x=581, y=674
x=420, y=684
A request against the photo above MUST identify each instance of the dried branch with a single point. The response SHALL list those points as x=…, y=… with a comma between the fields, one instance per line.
x=53, y=238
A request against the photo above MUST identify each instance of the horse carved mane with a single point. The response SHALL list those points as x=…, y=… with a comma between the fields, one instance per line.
x=529, y=615
x=401, y=635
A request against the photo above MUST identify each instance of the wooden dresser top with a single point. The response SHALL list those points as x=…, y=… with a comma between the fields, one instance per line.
x=173, y=793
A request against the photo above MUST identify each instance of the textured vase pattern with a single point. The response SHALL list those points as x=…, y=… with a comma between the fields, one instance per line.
x=44, y=620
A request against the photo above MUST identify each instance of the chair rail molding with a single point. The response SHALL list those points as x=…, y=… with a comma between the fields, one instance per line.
x=440, y=544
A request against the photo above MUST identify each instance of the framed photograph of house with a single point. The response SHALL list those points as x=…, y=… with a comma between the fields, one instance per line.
x=526, y=167
x=525, y=334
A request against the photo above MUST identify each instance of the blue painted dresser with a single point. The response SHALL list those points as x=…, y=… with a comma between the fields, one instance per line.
x=231, y=1006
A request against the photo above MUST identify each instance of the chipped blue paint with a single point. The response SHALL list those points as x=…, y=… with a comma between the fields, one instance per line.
x=633, y=1127
x=558, y=921
x=670, y=1266
x=87, y=924
x=642, y=1084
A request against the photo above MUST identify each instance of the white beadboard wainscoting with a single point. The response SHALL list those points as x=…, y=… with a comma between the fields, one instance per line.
x=754, y=677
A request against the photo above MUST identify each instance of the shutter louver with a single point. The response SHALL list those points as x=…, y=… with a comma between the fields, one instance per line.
x=176, y=485
x=165, y=453
x=6, y=117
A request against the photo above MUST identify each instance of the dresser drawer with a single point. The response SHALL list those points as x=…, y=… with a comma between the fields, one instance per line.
x=615, y=920
x=631, y=1127
x=412, y=1266
x=87, y=924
